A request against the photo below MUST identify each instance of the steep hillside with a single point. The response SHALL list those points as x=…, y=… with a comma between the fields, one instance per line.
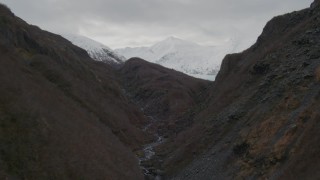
x=261, y=120
x=96, y=50
x=63, y=115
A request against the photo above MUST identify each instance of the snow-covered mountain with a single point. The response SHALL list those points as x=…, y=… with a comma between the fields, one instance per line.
x=185, y=56
x=96, y=50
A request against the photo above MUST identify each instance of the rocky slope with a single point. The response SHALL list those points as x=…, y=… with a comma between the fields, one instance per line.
x=63, y=115
x=185, y=56
x=96, y=50
x=261, y=120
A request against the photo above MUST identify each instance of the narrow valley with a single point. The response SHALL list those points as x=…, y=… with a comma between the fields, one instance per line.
x=67, y=114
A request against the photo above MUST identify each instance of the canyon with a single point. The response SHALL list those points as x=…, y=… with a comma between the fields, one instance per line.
x=64, y=115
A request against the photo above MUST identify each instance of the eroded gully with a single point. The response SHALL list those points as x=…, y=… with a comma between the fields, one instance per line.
x=148, y=153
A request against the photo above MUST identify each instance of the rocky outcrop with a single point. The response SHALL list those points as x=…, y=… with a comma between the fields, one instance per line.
x=315, y=4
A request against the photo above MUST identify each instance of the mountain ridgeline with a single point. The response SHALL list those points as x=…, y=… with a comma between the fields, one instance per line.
x=64, y=115
x=96, y=50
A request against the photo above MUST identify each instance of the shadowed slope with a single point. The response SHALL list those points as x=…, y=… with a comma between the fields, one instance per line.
x=262, y=119
x=63, y=116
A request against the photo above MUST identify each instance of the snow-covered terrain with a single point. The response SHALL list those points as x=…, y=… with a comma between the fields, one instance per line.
x=185, y=56
x=96, y=50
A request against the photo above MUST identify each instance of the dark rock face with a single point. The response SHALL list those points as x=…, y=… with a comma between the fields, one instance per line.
x=62, y=115
x=315, y=4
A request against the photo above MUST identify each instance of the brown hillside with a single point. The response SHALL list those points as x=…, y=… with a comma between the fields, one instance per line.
x=63, y=115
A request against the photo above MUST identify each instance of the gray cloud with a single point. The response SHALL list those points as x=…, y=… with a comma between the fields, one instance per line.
x=119, y=23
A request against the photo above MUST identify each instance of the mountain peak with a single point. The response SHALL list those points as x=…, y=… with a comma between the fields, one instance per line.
x=173, y=38
x=173, y=42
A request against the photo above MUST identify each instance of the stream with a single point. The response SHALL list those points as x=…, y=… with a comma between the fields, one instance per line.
x=148, y=150
x=149, y=171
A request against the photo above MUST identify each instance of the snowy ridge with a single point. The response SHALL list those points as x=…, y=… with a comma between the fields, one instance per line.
x=96, y=50
x=185, y=56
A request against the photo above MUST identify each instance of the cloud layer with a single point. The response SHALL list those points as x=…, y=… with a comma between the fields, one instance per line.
x=120, y=23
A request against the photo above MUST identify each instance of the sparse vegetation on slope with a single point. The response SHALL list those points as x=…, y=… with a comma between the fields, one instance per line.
x=63, y=115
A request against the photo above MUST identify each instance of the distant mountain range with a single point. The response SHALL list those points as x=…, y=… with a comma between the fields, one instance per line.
x=181, y=55
x=185, y=56
x=96, y=50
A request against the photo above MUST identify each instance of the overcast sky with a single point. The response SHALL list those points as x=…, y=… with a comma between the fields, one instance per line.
x=121, y=23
